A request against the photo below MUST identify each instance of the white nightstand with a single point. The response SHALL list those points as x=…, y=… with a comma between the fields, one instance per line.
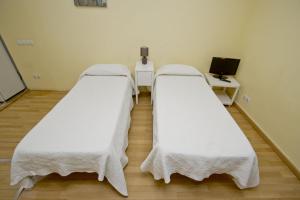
x=144, y=75
x=223, y=96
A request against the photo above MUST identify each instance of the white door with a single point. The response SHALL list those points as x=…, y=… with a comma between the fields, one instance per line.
x=10, y=81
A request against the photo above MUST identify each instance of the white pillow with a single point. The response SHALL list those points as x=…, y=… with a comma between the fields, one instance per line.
x=178, y=69
x=106, y=70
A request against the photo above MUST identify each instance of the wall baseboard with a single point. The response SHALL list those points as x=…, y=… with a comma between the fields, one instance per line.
x=275, y=148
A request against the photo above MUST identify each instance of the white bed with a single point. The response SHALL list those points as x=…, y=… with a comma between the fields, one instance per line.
x=85, y=132
x=194, y=135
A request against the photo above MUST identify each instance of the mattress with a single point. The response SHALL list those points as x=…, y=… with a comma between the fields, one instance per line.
x=195, y=136
x=87, y=131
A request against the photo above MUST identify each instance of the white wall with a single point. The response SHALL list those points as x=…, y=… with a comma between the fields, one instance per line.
x=67, y=39
x=269, y=73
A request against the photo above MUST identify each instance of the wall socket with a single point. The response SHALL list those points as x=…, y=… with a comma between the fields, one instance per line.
x=36, y=76
x=26, y=42
x=246, y=98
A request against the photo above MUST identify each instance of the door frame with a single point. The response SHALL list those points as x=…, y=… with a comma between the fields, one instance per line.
x=14, y=64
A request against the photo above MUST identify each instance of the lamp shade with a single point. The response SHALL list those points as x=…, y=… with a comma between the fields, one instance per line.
x=144, y=51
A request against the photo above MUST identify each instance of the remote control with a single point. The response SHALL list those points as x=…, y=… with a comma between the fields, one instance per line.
x=228, y=81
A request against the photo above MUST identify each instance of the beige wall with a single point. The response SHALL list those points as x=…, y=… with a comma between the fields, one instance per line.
x=269, y=73
x=67, y=39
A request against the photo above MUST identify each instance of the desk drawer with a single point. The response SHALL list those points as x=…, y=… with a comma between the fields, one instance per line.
x=144, y=78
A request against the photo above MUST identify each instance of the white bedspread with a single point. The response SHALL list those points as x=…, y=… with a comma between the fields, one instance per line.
x=194, y=135
x=87, y=131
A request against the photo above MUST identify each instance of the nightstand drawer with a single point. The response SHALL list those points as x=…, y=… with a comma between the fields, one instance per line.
x=144, y=78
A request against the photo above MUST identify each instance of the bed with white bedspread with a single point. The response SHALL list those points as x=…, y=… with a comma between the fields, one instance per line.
x=87, y=131
x=193, y=134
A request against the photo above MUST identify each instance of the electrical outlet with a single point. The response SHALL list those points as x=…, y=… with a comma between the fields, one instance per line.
x=246, y=98
x=25, y=42
x=36, y=76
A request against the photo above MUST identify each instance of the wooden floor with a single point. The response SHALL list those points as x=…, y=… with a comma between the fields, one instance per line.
x=277, y=181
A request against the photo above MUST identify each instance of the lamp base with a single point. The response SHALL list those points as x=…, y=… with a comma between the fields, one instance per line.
x=144, y=60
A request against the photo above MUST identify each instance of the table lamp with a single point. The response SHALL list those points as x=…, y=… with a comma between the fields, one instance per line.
x=144, y=54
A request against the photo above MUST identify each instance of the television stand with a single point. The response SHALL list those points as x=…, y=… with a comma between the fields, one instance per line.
x=221, y=86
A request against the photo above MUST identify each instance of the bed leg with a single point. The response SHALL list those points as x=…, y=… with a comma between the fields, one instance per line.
x=18, y=193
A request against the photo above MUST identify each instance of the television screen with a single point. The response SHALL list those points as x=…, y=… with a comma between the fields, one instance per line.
x=224, y=66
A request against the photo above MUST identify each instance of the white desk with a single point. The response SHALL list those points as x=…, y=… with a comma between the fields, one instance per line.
x=222, y=95
x=144, y=75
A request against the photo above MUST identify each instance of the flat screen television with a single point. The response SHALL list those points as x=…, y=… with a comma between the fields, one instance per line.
x=223, y=66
